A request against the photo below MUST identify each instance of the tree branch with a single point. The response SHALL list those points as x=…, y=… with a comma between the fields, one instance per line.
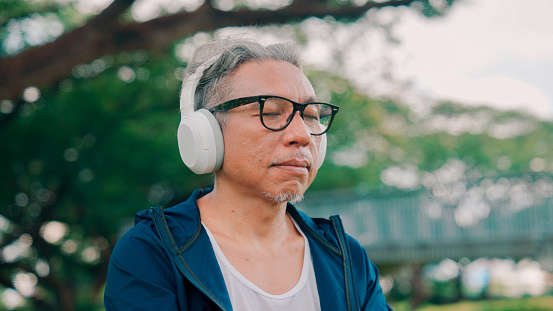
x=44, y=65
x=110, y=14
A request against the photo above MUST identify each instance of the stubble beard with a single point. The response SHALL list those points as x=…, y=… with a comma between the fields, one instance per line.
x=284, y=197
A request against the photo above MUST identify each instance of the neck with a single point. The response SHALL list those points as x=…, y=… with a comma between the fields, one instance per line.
x=244, y=216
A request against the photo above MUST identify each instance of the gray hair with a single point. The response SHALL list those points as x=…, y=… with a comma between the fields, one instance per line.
x=231, y=53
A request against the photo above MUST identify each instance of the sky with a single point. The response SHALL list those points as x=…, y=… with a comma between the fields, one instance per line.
x=497, y=53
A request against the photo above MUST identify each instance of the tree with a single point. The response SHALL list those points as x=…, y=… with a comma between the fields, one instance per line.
x=71, y=171
x=108, y=33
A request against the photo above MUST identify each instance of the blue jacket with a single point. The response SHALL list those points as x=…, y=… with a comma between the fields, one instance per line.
x=171, y=265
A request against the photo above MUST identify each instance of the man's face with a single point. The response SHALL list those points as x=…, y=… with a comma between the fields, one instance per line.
x=260, y=161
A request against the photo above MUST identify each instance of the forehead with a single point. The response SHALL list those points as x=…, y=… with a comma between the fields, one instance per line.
x=270, y=77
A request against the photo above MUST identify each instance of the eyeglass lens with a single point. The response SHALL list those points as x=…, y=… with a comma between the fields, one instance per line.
x=277, y=112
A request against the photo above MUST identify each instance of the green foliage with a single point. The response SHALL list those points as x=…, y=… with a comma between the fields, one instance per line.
x=19, y=19
x=435, y=8
x=90, y=154
x=13, y=9
x=385, y=133
x=520, y=304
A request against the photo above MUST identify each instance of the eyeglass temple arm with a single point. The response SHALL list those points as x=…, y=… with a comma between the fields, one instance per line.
x=236, y=103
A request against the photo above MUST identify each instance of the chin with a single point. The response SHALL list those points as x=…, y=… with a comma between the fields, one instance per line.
x=287, y=191
x=285, y=196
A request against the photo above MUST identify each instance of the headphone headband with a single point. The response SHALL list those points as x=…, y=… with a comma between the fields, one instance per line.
x=190, y=83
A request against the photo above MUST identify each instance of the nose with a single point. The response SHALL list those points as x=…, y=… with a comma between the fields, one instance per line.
x=297, y=133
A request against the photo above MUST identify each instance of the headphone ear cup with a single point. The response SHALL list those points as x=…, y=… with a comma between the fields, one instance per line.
x=200, y=141
x=322, y=150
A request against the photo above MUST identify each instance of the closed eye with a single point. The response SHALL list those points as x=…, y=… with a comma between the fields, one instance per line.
x=311, y=117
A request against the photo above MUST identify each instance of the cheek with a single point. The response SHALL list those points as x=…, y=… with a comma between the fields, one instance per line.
x=315, y=150
x=245, y=151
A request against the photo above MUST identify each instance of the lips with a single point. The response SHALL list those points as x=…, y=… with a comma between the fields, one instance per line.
x=293, y=165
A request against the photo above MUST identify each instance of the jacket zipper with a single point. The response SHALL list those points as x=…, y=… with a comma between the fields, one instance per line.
x=345, y=262
x=199, y=286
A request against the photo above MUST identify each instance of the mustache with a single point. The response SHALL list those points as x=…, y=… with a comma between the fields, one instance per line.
x=301, y=155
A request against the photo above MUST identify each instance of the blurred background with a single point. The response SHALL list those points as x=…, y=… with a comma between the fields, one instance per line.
x=439, y=161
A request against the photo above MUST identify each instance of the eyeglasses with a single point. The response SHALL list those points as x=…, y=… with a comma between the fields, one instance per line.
x=277, y=112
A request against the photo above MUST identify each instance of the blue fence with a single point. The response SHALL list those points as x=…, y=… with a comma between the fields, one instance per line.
x=420, y=226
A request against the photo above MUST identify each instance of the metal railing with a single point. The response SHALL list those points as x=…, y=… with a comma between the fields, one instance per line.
x=417, y=226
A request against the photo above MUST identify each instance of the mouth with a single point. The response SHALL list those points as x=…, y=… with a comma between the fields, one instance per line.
x=294, y=165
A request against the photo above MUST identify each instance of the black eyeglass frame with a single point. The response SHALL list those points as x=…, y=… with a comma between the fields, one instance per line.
x=233, y=103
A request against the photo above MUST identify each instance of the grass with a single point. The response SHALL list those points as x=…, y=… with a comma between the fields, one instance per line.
x=522, y=304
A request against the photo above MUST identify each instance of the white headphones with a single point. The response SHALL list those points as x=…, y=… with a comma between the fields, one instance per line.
x=199, y=134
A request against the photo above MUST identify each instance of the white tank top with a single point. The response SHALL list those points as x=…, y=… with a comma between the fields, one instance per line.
x=246, y=296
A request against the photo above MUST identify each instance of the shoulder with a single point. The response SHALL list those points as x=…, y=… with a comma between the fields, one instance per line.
x=141, y=235
x=140, y=274
x=139, y=250
x=139, y=258
x=361, y=262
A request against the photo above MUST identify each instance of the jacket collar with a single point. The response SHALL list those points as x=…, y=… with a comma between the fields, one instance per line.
x=184, y=221
x=192, y=243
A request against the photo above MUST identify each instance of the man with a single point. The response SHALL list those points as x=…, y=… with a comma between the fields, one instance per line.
x=250, y=116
